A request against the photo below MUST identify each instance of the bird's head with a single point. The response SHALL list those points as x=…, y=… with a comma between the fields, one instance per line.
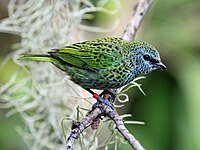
x=146, y=58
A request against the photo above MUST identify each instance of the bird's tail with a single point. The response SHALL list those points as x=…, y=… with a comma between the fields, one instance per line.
x=45, y=58
x=37, y=57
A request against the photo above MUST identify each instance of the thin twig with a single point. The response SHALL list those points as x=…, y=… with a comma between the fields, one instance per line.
x=99, y=110
x=122, y=129
x=78, y=127
x=139, y=12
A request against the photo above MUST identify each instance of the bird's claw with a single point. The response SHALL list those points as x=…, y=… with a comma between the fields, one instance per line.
x=109, y=92
x=100, y=99
x=104, y=101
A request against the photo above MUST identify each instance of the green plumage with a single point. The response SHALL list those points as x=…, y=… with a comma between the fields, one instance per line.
x=103, y=63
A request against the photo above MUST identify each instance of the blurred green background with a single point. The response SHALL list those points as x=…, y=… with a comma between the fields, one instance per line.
x=171, y=106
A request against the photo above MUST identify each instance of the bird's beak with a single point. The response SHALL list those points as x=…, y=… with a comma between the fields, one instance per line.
x=160, y=65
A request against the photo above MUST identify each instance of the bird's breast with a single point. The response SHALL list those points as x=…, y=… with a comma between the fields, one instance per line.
x=113, y=77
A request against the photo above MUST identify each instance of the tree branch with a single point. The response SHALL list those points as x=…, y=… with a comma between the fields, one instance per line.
x=139, y=12
x=99, y=110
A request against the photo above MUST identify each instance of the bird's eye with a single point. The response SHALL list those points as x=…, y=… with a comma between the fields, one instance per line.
x=146, y=57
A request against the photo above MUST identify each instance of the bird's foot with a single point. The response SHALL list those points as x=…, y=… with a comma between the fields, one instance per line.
x=101, y=100
x=111, y=94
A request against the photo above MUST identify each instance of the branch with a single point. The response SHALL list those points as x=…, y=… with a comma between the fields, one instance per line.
x=78, y=127
x=139, y=12
x=98, y=111
x=92, y=118
x=122, y=129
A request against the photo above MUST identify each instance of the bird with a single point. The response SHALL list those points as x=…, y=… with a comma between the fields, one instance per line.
x=104, y=63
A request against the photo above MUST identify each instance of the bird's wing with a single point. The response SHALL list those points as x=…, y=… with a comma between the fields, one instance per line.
x=92, y=55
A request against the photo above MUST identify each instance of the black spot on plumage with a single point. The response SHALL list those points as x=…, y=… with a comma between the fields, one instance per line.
x=107, y=50
x=98, y=60
x=114, y=70
x=77, y=45
x=96, y=44
x=104, y=65
x=104, y=56
x=120, y=68
x=110, y=46
x=114, y=79
x=99, y=41
x=111, y=76
x=136, y=61
x=95, y=53
x=118, y=77
x=118, y=71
